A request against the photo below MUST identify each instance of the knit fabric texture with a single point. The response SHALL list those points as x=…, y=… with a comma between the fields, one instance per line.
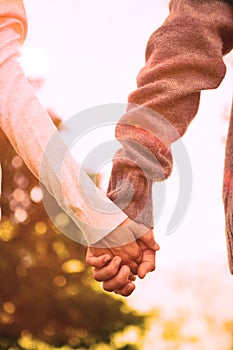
x=43, y=149
x=14, y=9
x=183, y=57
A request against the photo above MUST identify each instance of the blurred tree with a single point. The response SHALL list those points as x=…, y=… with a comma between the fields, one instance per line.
x=228, y=327
x=46, y=290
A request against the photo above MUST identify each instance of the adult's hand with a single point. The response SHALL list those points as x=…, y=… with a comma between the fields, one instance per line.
x=118, y=278
x=122, y=242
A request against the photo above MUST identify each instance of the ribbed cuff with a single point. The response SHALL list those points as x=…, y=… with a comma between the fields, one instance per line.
x=131, y=191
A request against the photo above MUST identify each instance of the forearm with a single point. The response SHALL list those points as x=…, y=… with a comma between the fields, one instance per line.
x=183, y=57
x=29, y=128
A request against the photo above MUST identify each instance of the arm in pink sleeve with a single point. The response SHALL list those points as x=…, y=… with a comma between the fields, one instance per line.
x=30, y=129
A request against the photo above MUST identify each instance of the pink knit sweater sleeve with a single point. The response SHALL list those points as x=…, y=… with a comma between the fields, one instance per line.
x=183, y=57
x=30, y=130
x=15, y=12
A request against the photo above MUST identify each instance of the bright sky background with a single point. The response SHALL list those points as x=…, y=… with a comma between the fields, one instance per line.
x=90, y=53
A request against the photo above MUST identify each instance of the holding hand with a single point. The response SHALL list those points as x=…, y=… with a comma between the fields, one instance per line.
x=110, y=263
x=131, y=190
x=121, y=242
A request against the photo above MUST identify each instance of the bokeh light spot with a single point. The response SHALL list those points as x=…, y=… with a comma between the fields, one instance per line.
x=19, y=195
x=17, y=162
x=73, y=266
x=26, y=203
x=36, y=194
x=72, y=289
x=20, y=215
x=81, y=333
x=7, y=230
x=26, y=341
x=62, y=220
x=60, y=281
x=74, y=341
x=13, y=204
x=6, y=318
x=129, y=335
x=61, y=250
x=49, y=330
x=21, y=180
x=40, y=228
x=9, y=307
x=27, y=258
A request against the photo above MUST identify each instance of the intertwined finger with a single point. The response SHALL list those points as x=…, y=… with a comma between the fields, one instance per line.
x=108, y=271
x=148, y=263
x=126, y=290
x=97, y=261
x=119, y=281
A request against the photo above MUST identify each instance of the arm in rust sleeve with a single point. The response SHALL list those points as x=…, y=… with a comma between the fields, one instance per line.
x=183, y=57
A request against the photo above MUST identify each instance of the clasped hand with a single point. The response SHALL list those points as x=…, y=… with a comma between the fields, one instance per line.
x=116, y=264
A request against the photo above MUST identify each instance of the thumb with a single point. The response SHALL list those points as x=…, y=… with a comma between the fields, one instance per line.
x=148, y=263
x=149, y=241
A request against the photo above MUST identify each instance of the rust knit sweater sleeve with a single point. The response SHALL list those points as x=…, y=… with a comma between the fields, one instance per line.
x=183, y=57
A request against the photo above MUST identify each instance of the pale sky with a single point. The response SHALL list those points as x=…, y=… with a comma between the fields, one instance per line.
x=90, y=53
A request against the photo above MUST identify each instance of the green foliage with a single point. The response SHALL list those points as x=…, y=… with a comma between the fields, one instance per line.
x=46, y=290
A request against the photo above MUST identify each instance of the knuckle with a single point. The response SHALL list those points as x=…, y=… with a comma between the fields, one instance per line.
x=88, y=261
x=137, y=256
x=152, y=268
x=125, y=292
x=111, y=271
x=108, y=288
x=120, y=282
x=96, y=276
